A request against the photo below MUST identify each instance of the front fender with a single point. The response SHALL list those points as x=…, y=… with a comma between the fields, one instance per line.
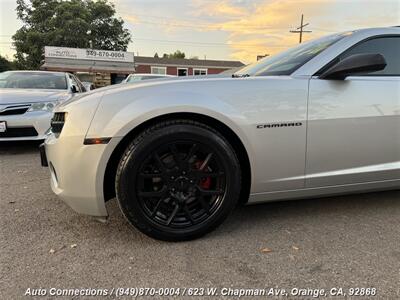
x=118, y=114
x=117, y=118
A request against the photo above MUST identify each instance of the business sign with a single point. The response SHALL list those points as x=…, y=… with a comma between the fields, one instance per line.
x=89, y=54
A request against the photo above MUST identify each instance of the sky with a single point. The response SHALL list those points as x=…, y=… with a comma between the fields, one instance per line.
x=228, y=29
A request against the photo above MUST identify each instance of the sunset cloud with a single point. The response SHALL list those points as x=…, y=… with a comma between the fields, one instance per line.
x=264, y=29
x=247, y=28
x=229, y=29
x=130, y=18
x=218, y=8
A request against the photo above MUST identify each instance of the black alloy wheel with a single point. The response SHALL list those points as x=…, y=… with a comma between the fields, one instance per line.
x=178, y=180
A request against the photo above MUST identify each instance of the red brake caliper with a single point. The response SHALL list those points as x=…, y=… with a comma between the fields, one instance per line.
x=205, y=182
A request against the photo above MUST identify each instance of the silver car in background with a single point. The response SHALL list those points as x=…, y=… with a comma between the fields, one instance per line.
x=139, y=77
x=89, y=86
x=27, y=100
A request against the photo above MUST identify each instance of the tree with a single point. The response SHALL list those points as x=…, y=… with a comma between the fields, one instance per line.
x=73, y=23
x=156, y=55
x=176, y=54
x=5, y=64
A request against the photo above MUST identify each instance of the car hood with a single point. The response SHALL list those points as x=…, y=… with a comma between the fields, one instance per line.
x=160, y=81
x=181, y=78
x=139, y=84
x=15, y=96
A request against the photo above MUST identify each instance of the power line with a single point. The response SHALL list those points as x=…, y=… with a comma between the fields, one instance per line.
x=193, y=43
x=165, y=17
x=197, y=24
x=209, y=26
x=300, y=29
x=326, y=30
x=205, y=43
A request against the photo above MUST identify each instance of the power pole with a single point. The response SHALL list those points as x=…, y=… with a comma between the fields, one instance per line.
x=300, y=29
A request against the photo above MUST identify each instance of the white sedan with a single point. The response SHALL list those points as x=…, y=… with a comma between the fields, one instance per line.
x=27, y=100
x=320, y=119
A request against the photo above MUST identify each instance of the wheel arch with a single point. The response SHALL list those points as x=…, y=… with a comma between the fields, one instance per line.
x=228, y=133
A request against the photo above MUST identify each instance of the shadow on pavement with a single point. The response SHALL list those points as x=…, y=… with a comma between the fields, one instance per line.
x=19, y=147
x=317, y=210
x=324, y=213
x=356, y=202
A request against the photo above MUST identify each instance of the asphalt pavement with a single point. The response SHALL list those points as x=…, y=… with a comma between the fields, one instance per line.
x=338, y=242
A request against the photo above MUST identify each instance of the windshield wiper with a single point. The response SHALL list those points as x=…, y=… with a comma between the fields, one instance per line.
x=240, y=75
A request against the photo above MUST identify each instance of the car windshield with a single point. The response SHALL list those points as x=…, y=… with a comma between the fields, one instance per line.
x=285, y=63
x=33, y=80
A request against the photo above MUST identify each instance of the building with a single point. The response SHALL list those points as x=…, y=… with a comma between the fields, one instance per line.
x=98, y=66
x=182, y=66
x=110, y=67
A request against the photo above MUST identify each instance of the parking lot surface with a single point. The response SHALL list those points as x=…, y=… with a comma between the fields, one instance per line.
x=347, y=241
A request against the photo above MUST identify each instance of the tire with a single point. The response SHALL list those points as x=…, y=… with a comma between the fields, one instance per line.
x=178, y=180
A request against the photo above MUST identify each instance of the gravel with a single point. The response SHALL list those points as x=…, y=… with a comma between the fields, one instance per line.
x=347, y=241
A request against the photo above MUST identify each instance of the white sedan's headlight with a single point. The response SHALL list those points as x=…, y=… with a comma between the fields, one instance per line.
x=43, y=106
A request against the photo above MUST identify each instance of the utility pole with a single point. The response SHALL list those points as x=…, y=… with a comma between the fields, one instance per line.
x=300, y=29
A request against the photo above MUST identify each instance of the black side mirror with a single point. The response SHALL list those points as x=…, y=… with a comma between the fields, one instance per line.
x=357, y=63
x=74, y=89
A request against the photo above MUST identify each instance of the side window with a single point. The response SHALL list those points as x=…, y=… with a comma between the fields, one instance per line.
x=197, y=72
x=159, y=70
x=389, y=47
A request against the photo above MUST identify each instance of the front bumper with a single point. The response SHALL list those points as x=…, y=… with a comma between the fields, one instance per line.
x=77, y=172
x=28, y=126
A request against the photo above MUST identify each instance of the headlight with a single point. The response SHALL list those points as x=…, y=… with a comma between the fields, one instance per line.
x=43, y=106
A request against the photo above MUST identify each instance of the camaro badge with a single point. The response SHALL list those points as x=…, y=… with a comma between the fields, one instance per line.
x=275, y=125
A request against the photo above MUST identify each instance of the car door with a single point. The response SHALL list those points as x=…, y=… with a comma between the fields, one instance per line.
x=353, y=133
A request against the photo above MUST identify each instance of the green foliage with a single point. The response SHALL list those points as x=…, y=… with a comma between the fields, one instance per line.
x=5, y=64
x=176, y=54
x=72, y=23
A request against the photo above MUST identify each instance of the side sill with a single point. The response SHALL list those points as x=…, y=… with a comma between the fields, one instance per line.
x=327, y=191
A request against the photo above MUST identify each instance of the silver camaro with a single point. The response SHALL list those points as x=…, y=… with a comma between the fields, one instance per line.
x=319, y=119
x=27, y=100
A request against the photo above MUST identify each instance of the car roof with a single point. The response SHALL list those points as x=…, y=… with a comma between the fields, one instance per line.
x=378, y=30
